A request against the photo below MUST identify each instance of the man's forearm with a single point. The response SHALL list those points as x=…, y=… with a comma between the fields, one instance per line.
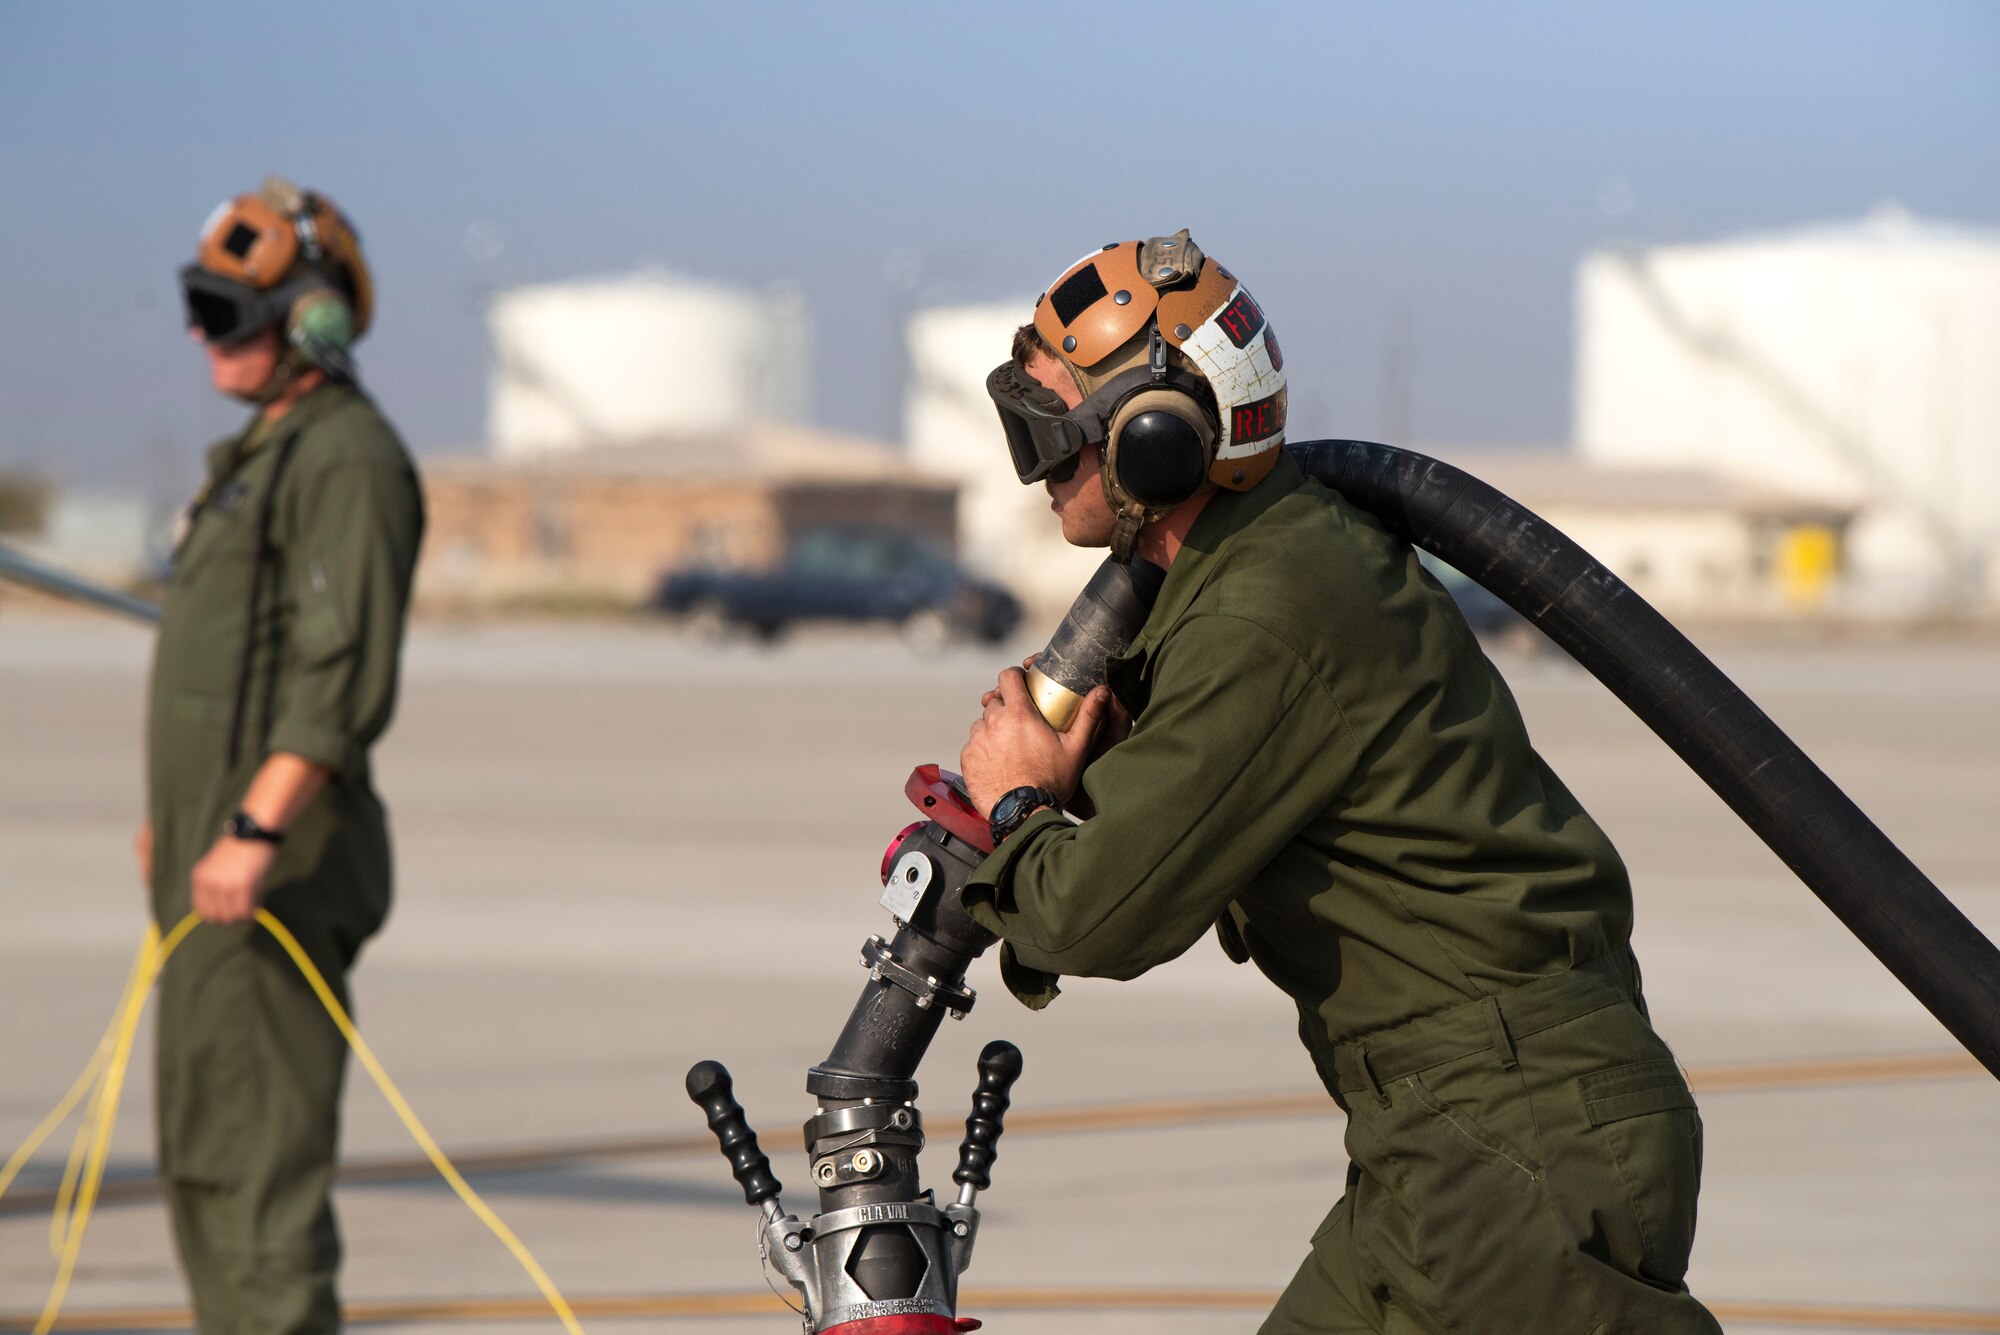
x=282, y=787
x=223, y=886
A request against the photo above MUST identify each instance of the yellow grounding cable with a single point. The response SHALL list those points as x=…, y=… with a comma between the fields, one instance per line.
x=103, y=1080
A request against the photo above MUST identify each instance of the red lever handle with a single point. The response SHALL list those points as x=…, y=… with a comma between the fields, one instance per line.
x=940, y=795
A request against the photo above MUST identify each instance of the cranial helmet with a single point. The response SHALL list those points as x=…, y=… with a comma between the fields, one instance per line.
x=284, y=258
x=1183, y=384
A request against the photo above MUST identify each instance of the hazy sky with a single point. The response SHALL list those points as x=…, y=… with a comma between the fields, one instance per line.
x=1414, y=176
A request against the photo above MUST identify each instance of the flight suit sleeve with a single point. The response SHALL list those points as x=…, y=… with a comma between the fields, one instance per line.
x=356, y=520
x=1240, y=745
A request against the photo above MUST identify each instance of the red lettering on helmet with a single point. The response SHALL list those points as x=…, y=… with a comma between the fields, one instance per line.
x=1240, y=319
x=1259, y=420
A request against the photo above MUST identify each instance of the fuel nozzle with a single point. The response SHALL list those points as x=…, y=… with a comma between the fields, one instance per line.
x=880, y=1248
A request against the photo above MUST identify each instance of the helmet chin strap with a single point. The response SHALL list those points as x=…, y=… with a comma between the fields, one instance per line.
x=1125, y=537
x=1133, y=514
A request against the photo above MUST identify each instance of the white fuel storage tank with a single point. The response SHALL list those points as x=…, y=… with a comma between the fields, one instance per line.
x=640, y=357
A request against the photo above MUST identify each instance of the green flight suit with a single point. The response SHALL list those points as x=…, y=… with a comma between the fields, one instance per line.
x=1325, y=767
x=281, y=631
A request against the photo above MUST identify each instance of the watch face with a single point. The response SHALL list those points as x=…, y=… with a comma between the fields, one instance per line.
x=1012, y=809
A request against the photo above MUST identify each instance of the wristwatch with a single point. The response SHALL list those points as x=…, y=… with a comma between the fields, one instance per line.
x=1011, y=812
x=242, y=825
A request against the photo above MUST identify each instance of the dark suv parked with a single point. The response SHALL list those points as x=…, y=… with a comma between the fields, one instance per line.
x=846, y=575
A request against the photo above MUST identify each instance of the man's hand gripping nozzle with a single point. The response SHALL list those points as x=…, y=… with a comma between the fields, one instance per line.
x=880, y=1245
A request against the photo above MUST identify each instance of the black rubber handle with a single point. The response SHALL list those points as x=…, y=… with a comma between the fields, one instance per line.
x=709, y=1085
x=999, y=1068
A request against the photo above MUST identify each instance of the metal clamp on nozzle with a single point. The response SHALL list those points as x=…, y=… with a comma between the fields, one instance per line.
x=885, y=967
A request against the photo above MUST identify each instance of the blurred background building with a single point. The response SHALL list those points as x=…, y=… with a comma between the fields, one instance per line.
x=1848, y=367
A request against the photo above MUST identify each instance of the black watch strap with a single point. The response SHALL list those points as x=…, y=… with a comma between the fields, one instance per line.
x=242, y=825
x=1011, y=812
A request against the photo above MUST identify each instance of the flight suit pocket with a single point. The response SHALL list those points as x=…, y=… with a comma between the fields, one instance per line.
x=1463, y=1125
x=1462, y=1228
x=1645, y=1117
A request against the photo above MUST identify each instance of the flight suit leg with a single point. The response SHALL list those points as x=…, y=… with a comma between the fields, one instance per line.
x=250, y=1069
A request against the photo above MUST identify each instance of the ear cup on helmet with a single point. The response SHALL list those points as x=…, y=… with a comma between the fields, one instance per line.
x=320, y=328
x=1160, y=445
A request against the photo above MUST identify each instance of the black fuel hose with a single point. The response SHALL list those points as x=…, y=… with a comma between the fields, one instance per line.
x=1933, y=949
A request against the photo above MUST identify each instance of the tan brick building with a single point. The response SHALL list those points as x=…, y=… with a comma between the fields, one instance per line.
x=604, y=523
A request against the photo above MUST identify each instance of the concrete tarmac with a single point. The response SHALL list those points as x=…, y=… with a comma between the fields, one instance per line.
x=621, y=852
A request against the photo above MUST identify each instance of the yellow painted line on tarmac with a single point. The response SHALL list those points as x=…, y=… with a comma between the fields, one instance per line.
x=753, y=1303
x=1836, y=1071
x=1746, y=1077
x=1844, y=1317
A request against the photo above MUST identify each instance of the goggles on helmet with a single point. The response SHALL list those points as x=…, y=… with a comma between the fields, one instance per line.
x=226, y=311
x=1043, y=438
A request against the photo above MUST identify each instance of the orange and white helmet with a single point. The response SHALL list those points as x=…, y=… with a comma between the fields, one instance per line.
x=282, y=257
x=1182, y=380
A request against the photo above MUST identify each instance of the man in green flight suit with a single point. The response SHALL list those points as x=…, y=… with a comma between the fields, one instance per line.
x=274, y=673
x=1322, y=765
